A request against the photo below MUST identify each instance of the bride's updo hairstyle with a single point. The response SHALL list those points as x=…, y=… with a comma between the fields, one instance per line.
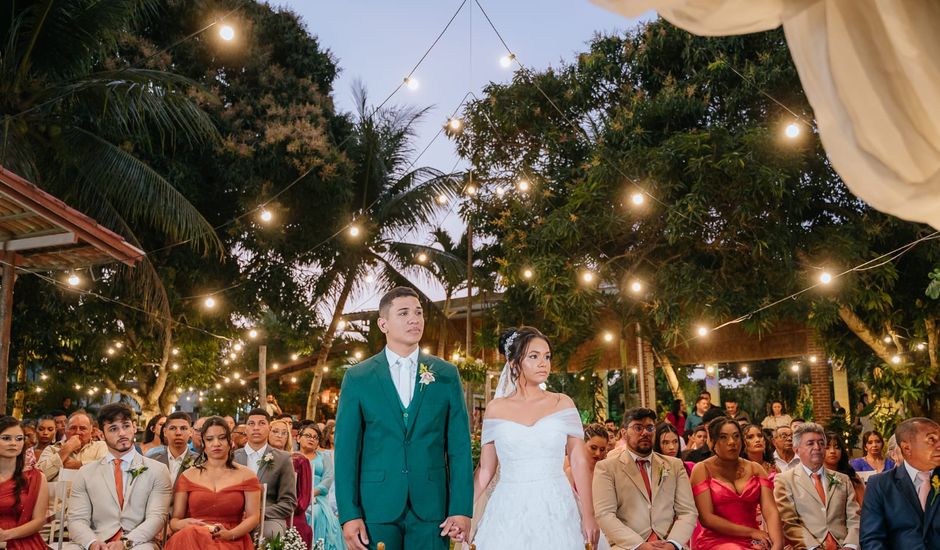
x=514, y=342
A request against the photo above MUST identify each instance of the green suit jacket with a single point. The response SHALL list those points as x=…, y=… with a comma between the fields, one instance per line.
x=388, y=457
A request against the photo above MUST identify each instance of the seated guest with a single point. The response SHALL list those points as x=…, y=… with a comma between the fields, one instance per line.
x=900, y=508
x=152, y=442
x=279, y=435
x=630, y=514
x=239, y=435
x=217, y=502
x=273, y=467
x=121, y=499
x=776, y=418
x=837, y=458
x=874, y=460
x=596, y=443
x=735, y=413
x=325, y=523
x=702, y=404
x=784, y=456
x=77, y=450
x=676, y=416
x=757, y=449
x=176, y=454
x=697, y=438
x=697, y=455
x=817, y=505
x=728, y=489
x=45, y=434
x=24, y=495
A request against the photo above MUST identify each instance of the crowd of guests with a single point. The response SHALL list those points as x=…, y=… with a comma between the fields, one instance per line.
x=727, y=483
x=186, y=485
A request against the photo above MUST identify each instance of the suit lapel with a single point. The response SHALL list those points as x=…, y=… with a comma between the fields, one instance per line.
x=136, y=463
x=383, y=377
x=107, y=473
x=633, y=472
x=418, y=393
x=807, y=483
x=906, y=487
x=933, y=501
x=656, y=467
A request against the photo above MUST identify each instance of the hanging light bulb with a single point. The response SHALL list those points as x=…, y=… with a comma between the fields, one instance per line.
x=455, y=124
x=294, y=356
x=608, y=337
x=237, y=346
x=275, y=366
x=227, y=33
x=442, y=199
x=341, y=324
x=422, y=258
x=896, y=359
x=354, y=231
x=252, y=333
x=792, y=130
x=587, y=276
x=175, y=351
x=358, y=355
x=523, y=185
x=702, y=331
x=506, y=60
x=293, y=379
x=744, y=369
x=825, y=277
x=527, y=274
x=266, y=215
x=472, y=190
x=74, y=280
x=326, y=369
x=412, y=83
x=637, y=198
x=795, y=367
x=370, y=278
x=636, y=287
x=500, y=191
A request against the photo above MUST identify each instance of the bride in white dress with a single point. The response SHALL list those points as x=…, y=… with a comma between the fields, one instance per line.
x=527, y=432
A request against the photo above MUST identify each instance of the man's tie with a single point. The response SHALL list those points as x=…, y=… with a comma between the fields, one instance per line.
x=924, y=490
x=405, y=383
x=817, y=480
x=641, y=464
x=119, y=482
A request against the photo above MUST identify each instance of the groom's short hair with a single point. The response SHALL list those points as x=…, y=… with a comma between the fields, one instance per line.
x=114, y=412
x=391, y=295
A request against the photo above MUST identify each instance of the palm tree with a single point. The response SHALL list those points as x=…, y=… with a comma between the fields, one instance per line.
x=74, y=112
x=386, y=199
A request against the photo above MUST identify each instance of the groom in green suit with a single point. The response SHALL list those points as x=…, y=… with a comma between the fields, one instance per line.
x=404, y=475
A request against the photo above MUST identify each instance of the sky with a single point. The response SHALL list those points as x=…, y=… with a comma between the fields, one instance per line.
x=378, y=42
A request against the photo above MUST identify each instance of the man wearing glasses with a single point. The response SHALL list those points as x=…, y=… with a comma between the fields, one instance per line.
x=643, y=500
x=240, y=436
x=785, y=458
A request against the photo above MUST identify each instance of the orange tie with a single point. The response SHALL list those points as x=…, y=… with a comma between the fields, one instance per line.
x=641, y=464
x=817, y=479
x=119, y=482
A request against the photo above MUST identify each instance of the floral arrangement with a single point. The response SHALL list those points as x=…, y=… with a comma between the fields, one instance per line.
x=290, y=541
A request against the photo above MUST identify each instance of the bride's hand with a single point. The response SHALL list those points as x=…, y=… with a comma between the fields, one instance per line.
x=590, y=530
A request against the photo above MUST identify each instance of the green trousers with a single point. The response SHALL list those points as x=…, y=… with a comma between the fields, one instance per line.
x=408, y=532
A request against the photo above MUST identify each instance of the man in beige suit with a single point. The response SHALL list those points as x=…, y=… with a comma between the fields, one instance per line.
x=75, y=451
x=120, y=501
x=643, y=500
x=817, y=506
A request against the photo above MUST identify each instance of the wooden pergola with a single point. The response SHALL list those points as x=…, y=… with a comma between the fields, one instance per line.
x=39, y=232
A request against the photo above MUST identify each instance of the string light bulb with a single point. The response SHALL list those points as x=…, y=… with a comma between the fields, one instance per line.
x=500, y=191
x=412, y=83
x=608, y=337
x=792, y=130
x=527, y=274
x=74, y=280
x=921, y=346
x=634, y=370
x=111, y=351
x=744, y=369
x=702, y=331
x=237, y=346
x=354, y=231
x=709, y=370
x=38, y=389
x=422, y=258
x=442, y=199
x=472, y=190
x=252, y=333
x=506, y=60
x=825, y=277
x=636, y=287
x=294, y=356
x=587, y=276
x=175, y=351
x=326, y=369
x=455, y=124
x=887, y=339
x=896, y=359
x=637, y=198
x=341, y=324
x=266, y=215
x=176, y=366
x=523, y=185
x=227, y=33
x=795, y=367
x=358, y=355
x=275, y=366
x=293, y=379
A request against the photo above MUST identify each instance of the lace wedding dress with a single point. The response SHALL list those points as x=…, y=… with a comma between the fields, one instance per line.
x=533, y=505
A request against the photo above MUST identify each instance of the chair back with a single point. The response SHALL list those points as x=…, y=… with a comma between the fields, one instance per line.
x=264, y=504
x=58, y=510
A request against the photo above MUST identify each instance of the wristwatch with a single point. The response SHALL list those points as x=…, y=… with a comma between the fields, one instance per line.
x=128, y=544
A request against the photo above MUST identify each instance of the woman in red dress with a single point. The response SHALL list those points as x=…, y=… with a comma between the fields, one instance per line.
x=217, y=503
x=24, y=496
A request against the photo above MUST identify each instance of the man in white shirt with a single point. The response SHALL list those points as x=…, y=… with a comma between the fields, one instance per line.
x=785, y=458
x=817, y=506
x=901, y=505
x=121, y=500
x=274, y=468
x=77, y=450
x=175, y=436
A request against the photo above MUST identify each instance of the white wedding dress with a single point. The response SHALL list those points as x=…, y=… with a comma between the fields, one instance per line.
x=533, y=505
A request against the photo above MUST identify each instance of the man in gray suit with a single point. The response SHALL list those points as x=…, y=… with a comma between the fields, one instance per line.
x=273, y=467
x=121, y=500
x=176, y=454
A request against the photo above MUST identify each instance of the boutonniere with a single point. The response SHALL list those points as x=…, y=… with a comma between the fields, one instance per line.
x=136, y=472
x=187, y=462
x=935, y=483
x=426, y=375
x=663, y=474
x=833, y=480
x=267, y=459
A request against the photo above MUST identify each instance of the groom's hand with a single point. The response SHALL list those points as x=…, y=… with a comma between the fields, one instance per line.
x=456, y=527
x=354, y=531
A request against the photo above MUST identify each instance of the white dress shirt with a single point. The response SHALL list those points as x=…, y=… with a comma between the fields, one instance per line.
x=404, y=371
x=649, y=473
x=254, y=456
x=175, y=462
x=783, y=465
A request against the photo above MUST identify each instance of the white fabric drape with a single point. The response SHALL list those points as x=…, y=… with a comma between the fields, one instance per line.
x=871, y=72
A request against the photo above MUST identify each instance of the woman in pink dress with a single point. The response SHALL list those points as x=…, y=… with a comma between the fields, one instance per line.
x=218, y=502
x=24, y=496
x=727, y=490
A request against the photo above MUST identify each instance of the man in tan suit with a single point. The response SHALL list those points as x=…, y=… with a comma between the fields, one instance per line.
x=120, y=501
x=817, y=506
x=643, y=500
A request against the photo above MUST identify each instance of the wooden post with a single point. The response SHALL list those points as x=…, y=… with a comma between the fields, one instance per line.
x=262, y=375
x=6, y=320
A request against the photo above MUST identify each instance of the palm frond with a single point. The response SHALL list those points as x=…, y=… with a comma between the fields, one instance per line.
x=418, y=204
x=139, y=192
x=442, y=264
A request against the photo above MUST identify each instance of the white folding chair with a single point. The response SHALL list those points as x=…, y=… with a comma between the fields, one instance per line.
x=264, y=503
x=58, y=510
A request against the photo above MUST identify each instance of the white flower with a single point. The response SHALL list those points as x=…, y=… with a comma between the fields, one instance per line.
x=426, y=374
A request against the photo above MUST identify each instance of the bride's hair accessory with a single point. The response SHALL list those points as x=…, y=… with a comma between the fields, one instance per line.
x=509, y=342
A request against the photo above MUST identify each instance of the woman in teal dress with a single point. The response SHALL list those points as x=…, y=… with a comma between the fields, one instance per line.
x=320, y=516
